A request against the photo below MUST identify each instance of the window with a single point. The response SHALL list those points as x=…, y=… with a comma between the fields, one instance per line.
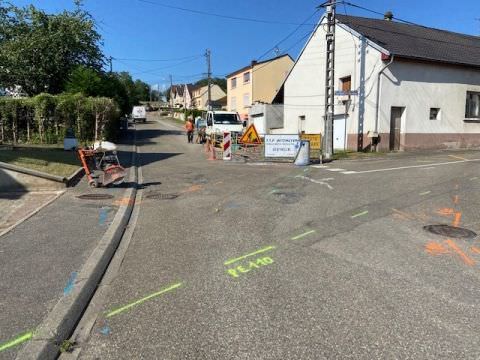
x=246, y=77
x=234, y=83
x=472, y=108
x=434, y=113
x=233, y=103
x=246, y=100
x=346, y=83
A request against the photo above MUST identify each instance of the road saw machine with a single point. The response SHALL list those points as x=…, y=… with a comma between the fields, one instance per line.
x=101, y=164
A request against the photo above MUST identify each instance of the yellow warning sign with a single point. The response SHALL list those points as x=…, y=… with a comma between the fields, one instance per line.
x=250, y=136
x=315, y=140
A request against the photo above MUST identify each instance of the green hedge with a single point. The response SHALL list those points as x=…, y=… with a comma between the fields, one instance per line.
x=44, y=118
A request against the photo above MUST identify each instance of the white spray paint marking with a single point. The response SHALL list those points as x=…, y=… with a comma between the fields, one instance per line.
x=349, y=172
x=320, y=166
x=417, y=166
x=320, y=182
x=334, y=169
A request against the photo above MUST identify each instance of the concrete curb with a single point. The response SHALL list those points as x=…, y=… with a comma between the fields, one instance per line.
x=62, y=319
x=66, y=180
x=74, y=177
x=32, y=172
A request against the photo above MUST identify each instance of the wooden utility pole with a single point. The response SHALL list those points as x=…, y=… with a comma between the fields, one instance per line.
x=171, y=91
x=209, y=77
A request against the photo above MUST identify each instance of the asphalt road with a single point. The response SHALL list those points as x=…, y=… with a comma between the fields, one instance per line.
x=282, y=262
x=40, y=258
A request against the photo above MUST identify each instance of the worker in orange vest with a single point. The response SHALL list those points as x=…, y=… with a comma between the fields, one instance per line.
x=189, y=128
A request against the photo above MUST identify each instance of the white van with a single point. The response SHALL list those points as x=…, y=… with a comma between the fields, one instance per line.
x=139, y=113
x=220, y=121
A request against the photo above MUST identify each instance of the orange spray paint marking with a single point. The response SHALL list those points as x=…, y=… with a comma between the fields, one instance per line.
x=123, y=201
x=192, y=188
x=475, y=250
x=466, y=259
x=446, y=211
x=458, y=217
x=434, y=248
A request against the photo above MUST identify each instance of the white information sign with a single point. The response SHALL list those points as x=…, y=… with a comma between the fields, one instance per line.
x=281, y=145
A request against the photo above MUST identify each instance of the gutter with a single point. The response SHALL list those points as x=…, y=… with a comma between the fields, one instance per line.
x=377, y=106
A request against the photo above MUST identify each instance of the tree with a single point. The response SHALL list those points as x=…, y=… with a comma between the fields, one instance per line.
x=86, y=81
x=38, y=50
x=142, y=90
x=218, y=81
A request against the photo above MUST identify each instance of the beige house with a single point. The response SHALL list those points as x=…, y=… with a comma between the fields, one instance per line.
x=200, y=96
x=259, y=81
x=177, y=98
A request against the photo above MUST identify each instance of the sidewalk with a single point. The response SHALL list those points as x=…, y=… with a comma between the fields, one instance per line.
x=40, y=258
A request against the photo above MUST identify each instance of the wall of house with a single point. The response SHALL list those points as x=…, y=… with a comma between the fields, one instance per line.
x=421, y=86
x=238, y=93
x=304, y=93
x=268, y=78
x=200, y=96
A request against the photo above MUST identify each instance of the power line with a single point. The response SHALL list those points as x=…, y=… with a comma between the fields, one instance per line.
x=155, y=60
x=376, y=12
x=238, y=18
x=288, y=36
x=153, y=71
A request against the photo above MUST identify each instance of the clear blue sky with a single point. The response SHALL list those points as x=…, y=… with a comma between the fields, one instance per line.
x=139, y=29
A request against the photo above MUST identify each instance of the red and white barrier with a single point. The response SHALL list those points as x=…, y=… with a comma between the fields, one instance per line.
x=227, y=146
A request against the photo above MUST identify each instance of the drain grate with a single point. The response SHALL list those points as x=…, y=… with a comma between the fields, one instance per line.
x=161, y=196
x=95, y=196
x=450, y=231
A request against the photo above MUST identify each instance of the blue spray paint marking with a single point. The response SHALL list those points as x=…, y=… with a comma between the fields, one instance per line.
x=70, y=284
x=232, y=205
x=105, y=330
x=103, y=216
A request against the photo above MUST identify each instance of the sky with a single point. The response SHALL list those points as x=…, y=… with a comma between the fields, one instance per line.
x=140, y=33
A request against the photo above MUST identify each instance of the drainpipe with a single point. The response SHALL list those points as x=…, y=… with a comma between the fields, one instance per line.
x=378, y=96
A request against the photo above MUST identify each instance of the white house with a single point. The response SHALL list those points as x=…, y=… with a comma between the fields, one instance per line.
x=416, y=87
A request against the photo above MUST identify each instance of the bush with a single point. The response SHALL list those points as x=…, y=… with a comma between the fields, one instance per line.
x=44, y=118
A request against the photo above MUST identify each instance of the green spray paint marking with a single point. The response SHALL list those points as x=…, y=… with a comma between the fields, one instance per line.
x=239, y=270
x=359, y=214
x=17, y=341
x=142, y=300
x=303, y=235
x=231, y=261
x=425, y=193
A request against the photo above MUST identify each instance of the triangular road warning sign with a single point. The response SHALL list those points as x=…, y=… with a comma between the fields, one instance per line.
x=250, y=136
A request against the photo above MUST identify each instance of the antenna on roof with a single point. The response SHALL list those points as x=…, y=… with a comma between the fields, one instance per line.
x=388, y=16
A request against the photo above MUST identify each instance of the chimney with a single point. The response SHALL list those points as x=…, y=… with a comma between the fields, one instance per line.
x=254, y=62
x=388, y=16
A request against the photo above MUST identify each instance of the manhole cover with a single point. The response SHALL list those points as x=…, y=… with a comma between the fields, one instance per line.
x=95, y=196
x=287, y=197
x=450, y=231
x=161, y=196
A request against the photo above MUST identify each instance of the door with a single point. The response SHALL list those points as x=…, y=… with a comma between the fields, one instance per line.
x=395, y=127
x=339, y=134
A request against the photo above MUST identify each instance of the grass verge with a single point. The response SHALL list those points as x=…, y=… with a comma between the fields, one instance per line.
x=49, y=160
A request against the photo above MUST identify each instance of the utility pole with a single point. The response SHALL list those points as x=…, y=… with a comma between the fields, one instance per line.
x=209, y=76
x=329, y=82
x=110, y=62
x=171, y=90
